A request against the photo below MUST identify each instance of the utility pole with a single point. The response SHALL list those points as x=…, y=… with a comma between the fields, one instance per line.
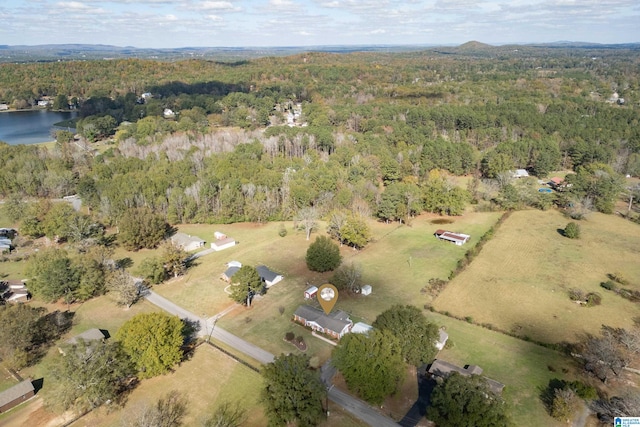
x=215, y=319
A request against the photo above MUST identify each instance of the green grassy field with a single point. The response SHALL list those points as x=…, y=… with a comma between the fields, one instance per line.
x=398, y=263
x=520, y=281
x=523, y=367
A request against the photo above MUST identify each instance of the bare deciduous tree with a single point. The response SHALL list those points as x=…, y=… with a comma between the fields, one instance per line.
x=617, y=406
x=168, y=411
x=122, y=287
x=307, y=219
x=603, y=356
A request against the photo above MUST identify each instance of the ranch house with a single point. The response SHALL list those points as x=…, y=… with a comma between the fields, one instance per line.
x=335, y=324
x=187, y=242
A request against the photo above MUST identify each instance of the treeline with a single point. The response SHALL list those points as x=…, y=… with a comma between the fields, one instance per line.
x=378, y=135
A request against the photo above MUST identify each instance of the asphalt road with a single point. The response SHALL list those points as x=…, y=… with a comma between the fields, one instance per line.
x=208, y=328
x=354, y=406
x=359, y=409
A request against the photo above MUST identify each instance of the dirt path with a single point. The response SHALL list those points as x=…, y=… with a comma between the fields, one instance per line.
x=32, y=414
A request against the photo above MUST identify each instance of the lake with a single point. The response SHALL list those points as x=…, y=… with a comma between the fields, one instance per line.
x=30, y=127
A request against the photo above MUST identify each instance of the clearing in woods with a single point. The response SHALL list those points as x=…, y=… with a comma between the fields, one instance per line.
x=520, y=280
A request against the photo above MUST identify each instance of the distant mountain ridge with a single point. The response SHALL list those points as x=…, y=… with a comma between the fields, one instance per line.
x=71, y=51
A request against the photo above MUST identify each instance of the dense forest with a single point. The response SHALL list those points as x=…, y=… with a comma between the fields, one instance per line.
x=369, y=134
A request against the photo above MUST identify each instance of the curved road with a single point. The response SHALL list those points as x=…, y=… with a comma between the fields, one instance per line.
x=355, y=407
x=208, y=328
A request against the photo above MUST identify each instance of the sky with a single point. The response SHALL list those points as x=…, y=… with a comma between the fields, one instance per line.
x=254, y=23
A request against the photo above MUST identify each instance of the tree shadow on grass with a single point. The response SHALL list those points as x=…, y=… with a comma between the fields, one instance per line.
x=425, y=387
x=124, y=263
x=561, y=232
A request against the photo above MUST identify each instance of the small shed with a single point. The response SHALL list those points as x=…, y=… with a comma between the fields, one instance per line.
x=442, y=339
x=311, y=292
x=366, y=290
x=16, y=395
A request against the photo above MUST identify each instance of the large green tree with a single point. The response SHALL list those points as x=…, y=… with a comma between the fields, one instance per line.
x=467, y=402
x=152, y=270
x=141, y=228
x=417, y=336
x=293, y=393
x=27, y=331
x=174, y=259
x=598, y=182
x=153, y=341
x=323, y=255
x=246, y=284
x=355, y=232
x=52, y=276
x=372, y=365
x=89, y=374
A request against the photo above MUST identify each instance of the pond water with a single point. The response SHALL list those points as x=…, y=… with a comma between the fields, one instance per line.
x=30, y=127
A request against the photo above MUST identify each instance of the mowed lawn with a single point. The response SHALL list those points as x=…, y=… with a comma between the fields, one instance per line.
x=521, y=279
x=523, y=367
x=397, y=263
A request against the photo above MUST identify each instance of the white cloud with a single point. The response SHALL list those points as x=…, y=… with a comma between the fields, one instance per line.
x=273, y=22
x=73, y=5
x=217, y=5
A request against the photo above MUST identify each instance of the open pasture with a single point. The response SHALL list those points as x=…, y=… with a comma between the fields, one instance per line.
x=524, y=368
x=520, y=280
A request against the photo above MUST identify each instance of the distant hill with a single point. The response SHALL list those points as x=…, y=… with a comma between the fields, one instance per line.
x=474, y=46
